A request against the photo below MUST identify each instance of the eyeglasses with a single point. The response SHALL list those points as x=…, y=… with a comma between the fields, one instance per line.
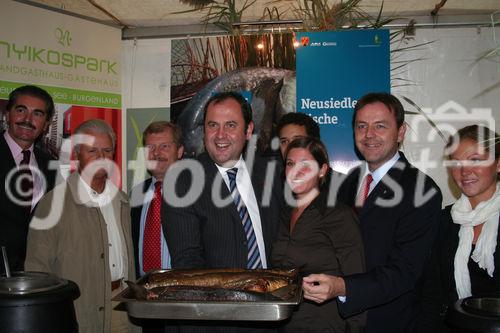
x=166, y=146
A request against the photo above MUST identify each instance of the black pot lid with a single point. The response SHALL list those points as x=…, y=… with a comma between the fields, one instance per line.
x=21, y=283
x=482, y=305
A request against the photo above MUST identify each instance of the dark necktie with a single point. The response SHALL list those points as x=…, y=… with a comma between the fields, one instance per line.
x=151, y=248
x=253, y=258
x=26, y=179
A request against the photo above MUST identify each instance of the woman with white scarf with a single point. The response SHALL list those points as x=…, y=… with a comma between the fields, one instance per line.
x=466, y=257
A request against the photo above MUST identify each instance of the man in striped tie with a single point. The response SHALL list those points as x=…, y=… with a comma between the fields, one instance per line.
x=225, y=212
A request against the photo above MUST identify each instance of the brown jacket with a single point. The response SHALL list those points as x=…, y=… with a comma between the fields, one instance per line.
x=75, y=247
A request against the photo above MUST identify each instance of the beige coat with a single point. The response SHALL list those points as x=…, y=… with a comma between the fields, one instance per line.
x=76, y=248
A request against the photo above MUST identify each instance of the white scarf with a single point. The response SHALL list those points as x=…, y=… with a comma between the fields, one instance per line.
x=486, y=212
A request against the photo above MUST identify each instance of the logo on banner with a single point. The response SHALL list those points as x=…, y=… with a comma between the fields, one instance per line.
x=63, y=37
x=305, y=41
x=448, y=118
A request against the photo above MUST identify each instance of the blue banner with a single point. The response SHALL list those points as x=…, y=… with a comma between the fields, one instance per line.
x=334, y=69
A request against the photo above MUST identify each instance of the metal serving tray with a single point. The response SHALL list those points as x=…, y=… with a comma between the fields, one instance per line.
x=209, y=310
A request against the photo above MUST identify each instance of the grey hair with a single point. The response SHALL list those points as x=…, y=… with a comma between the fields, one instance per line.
x=95, y=126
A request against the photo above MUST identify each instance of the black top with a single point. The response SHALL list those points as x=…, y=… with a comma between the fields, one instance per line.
x=481, y=283
x=324, y=240
x=439, y=290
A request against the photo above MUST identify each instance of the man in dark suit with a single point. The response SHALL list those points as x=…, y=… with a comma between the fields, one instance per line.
x=399, y=211
x=224, y=208
x=205, y=229
x=162, y=141
x=24, y=167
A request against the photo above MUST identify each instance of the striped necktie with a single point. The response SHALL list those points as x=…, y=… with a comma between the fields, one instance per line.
x=253, y=258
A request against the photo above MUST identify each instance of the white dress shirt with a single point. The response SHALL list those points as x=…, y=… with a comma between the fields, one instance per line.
x=379, y=173
x=245, y=188
x=103, y=201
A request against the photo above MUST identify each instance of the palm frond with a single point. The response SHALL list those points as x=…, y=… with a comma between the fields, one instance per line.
x=422, y=113
x=197, y=4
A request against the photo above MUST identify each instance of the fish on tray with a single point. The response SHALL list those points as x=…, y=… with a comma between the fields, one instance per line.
x=217, y=285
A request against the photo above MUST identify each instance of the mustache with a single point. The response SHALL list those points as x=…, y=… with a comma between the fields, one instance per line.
x=26, y=124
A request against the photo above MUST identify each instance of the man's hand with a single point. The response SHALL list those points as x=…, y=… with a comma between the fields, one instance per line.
x=321, y=287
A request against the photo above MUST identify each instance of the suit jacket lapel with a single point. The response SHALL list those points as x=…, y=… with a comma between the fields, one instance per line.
x=350, y=188
x=7, y=155
x=137, y=211
x=257, y=178
x=41, y=160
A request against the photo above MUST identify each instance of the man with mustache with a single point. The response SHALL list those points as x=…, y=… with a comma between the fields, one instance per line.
x=162, y=141
x=399, y=211
x=24, y=167
x=89, y=241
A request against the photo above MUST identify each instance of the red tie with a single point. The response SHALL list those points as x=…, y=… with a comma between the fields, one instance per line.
x=365, y=190
x=151, y=249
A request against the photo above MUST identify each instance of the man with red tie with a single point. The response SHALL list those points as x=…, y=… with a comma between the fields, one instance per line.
x=28, y=115
x=398, y=208
x=162, y=141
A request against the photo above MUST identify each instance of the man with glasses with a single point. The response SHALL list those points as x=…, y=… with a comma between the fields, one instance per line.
x=162, y=141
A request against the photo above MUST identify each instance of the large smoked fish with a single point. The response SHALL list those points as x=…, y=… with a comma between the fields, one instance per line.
x=216, y=285
x=234, y=279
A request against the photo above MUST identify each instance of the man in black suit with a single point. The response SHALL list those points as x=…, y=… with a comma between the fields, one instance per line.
x=24, y=167
x=204, y=228
x=224, y=208
x=399, y=211
x=162, y=141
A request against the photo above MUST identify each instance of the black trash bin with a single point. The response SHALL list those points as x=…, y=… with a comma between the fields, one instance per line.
x=37, y=302
x=475, y=314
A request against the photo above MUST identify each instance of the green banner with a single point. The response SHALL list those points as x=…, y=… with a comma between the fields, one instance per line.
x=70, y=96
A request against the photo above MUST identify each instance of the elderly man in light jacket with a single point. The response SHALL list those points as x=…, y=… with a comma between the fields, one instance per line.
x=81, y=231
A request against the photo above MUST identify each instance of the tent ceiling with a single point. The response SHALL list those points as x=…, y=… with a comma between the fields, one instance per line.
x=161, y=13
